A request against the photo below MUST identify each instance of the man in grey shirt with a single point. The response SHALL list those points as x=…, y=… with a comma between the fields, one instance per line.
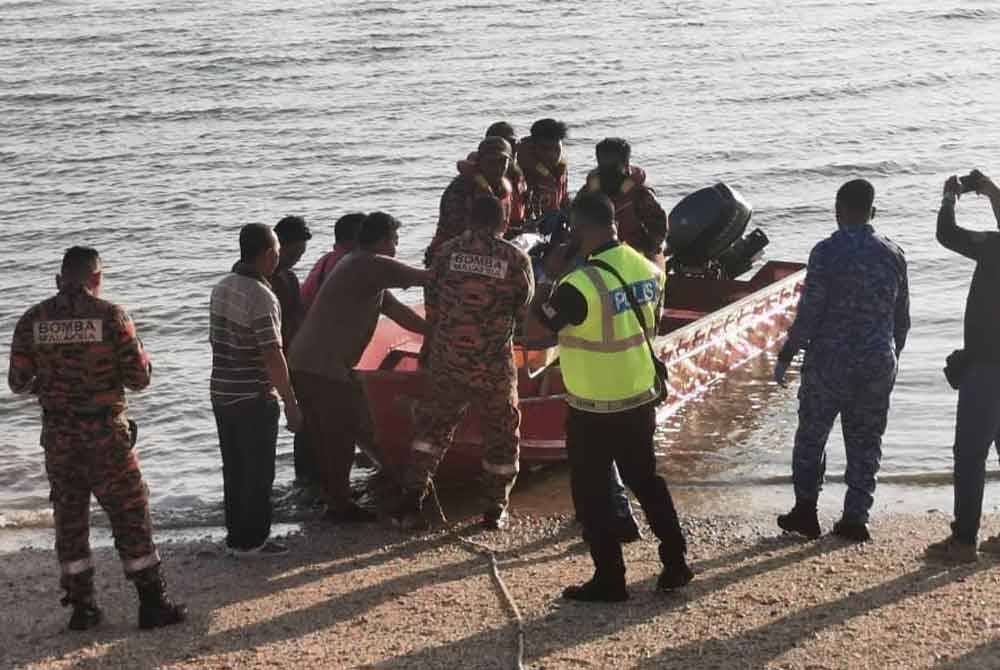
x=248, y=374
x=336, y=332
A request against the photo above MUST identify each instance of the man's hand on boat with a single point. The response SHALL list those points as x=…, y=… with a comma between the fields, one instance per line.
x=780, y=369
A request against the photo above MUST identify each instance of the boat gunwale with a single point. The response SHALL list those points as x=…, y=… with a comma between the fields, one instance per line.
x=692, y=328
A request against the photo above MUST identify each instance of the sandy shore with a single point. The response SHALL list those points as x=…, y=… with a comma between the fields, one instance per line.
x=372, y=597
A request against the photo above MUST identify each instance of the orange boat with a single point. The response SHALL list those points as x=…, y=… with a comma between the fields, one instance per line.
x=710, y=325
x=708, y=328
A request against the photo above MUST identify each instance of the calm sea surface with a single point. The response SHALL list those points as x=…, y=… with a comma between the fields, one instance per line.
x=154, y=130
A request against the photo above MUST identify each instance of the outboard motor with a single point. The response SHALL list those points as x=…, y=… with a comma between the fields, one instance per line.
x=706, y=234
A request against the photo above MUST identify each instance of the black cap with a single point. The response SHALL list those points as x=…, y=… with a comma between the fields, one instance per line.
x=292, y=229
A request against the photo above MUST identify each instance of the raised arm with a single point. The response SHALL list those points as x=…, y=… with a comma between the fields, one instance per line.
x=969, y=243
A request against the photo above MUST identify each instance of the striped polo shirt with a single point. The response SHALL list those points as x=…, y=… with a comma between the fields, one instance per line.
x=244, y=319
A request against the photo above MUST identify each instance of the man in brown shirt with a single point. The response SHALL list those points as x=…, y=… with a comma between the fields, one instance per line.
x=330, y=343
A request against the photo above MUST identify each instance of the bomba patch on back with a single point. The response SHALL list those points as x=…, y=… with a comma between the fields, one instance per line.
x=488, y=266
x=69, y=331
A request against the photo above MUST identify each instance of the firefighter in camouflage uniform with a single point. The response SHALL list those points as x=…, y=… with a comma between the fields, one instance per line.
x=77, y=353
x=480, y=288
x=852, y=320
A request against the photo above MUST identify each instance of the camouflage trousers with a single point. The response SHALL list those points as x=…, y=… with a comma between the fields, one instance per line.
x=87, y=454
x=438, y=415
x=858, y=391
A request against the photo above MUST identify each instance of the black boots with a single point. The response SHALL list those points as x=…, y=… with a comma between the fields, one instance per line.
x=597, y=590
x=155, y=608
x=674, y=575
x=855, y=531
x=802, y=520
x=80, y=594
x=608, y=582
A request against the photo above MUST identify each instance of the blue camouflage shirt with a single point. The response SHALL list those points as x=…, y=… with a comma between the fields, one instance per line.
x=856, y=297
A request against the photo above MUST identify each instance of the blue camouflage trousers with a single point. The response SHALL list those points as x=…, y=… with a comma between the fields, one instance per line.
x=857, y=389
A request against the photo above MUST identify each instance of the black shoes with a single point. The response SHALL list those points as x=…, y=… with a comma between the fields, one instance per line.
x=596, y=591
x=674, y=576
x=85, y=616
x=802, y=520
x=855, y=531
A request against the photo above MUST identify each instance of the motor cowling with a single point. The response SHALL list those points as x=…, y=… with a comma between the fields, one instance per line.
x=706, y=233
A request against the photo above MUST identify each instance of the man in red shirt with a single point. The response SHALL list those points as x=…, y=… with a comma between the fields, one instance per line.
x=345, y=239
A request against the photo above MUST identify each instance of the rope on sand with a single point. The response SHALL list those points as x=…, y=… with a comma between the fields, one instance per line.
x=490, y=554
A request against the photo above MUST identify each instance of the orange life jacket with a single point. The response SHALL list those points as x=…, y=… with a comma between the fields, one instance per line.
x=629, y=230
x=469, y=168
x=547, y=188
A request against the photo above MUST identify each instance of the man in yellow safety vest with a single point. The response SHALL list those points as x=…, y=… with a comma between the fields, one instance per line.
x=611, y=391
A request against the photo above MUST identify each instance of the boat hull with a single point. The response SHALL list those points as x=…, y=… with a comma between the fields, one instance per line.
x=710, y=327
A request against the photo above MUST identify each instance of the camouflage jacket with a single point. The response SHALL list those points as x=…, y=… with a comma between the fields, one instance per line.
x=856, y=297
x=480, y=287
x=453, y=217
x=78, y=353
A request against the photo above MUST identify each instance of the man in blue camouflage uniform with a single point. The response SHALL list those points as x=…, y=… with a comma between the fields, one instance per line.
x=78, y=353
x=852, y=321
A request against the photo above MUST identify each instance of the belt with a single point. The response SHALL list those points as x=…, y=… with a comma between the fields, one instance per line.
x=610, y=406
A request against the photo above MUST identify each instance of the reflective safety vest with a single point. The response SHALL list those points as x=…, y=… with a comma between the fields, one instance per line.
x=605, y=362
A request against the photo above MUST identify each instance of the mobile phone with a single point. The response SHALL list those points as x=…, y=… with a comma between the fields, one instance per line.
x=969, y=181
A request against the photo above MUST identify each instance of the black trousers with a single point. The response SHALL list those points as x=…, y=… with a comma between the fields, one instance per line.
x=248, y=438
x=593, y=442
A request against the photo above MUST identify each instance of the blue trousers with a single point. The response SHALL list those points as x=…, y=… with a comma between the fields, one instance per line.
x=977, y=428
x=858, y=390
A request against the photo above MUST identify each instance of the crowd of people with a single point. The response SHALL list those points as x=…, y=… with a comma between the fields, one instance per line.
x=276, y=343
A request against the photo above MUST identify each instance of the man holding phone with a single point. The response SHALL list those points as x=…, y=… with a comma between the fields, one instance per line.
x=977, y=422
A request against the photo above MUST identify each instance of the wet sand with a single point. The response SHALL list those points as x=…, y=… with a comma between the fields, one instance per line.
x=372, y=597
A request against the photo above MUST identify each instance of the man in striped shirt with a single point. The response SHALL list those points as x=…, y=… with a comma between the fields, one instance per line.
x=248, y=374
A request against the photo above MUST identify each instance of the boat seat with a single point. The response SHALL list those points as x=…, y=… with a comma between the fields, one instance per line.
x=401, y=360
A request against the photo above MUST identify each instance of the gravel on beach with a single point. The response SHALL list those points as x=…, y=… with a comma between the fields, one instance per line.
x=373, y=597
